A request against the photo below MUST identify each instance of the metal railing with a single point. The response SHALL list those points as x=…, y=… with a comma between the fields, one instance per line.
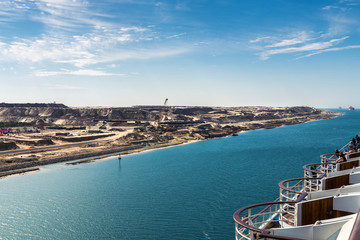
x=291, y=189
x=328, y=158
x=345, y=148
x=331, y=157
x=315, y=170
x=252, y=221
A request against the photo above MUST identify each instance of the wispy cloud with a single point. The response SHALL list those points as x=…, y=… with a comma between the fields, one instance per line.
x=342, y=5
x=329, y=7
x=61, y=14
x=260, y=39
x=176, y=35
x=302, y=49
x=300, y=37
x=342, y=17
x=332, y=50
x=81, y=72
x=183, y=5
x=350, y=2
x=341, y=22
x=101, y=45
x=128, y=54
x=78, y=34
x=13, y=10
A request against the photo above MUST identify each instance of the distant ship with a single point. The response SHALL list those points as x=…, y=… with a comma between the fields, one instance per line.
x=351, y=108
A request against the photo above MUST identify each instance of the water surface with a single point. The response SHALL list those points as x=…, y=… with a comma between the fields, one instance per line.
x=184, y=192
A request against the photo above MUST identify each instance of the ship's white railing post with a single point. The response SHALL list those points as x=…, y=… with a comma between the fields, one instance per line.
x=287, y=192
x=250, y=223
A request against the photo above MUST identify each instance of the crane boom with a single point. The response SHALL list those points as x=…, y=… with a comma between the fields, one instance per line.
x=162, y=115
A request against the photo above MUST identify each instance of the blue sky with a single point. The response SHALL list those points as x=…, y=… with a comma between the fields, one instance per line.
x=194, y=52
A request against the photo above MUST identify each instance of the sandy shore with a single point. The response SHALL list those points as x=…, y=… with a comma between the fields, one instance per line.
x=17, y=172
x=134, y=141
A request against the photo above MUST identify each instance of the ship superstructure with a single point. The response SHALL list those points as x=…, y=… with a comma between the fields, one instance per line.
x=324, y=204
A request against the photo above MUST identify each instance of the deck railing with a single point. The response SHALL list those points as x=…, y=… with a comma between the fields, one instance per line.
x=345, y=148
x=331, y=157
x=291, y=189
x=328, y=158
x=315, y=170
x=251, y=221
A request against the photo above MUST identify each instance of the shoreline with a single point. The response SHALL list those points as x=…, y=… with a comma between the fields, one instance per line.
x=88, y=156
x=91, y=159
x=17, y=172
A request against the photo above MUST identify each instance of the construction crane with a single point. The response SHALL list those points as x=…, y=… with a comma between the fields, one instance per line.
x=162, y=114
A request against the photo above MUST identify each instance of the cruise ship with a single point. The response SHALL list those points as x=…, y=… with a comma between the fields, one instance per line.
x=323, y=205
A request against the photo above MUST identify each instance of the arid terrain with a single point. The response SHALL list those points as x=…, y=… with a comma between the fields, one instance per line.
x=38, y=134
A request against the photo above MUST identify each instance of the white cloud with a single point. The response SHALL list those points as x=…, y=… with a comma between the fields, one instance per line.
x=339, y=24
x=259, y=39
x=81, y=50
x=81, y=72
x=176, y=35
x=341, y=19
x=329, y=7
x=97, y=39
x=332, y=50
x=183, y=6
x=66, y=14
x=300, y=37
x=305, y=48
x=350, y=2
x=12, y=10
x=305, y=43
x=126, y=54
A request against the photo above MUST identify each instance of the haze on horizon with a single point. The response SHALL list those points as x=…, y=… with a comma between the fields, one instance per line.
x=194, y=52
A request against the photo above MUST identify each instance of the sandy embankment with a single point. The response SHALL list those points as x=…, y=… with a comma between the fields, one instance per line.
x=217, y=125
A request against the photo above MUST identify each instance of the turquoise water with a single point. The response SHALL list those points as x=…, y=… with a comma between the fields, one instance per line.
x=184, y=192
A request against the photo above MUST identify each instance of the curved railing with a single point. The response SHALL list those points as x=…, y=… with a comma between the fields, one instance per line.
x=328, y=163
x=291, y=189
x=328, y=158
x=315, y=170
x=251, y=221
x=331, y=157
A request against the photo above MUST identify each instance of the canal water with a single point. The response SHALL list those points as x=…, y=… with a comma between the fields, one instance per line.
x=184, y=192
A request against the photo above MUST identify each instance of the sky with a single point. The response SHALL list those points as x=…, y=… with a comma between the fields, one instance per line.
x=193, y=52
